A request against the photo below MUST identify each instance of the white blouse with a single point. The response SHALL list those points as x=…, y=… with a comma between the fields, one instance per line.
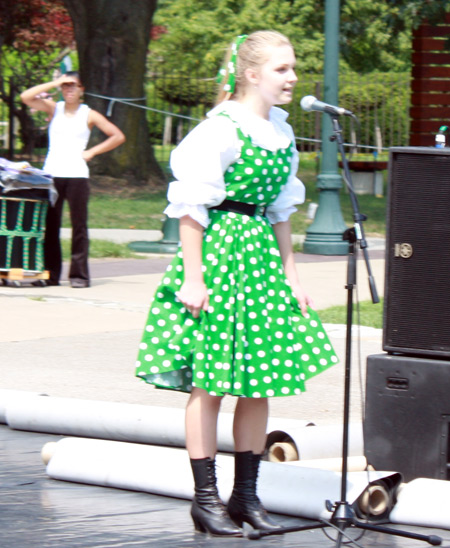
x=201, y=159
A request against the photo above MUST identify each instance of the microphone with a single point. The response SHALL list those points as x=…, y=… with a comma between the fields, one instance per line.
x=309, y=102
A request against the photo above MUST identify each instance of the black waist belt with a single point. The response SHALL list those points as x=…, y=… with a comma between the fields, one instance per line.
x=241, y=207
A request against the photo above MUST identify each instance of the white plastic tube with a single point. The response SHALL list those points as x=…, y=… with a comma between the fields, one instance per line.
x=316, y=442
x=423, y=502
x=151, y=424
x=289, y=490
x=354, y=464
x=105, y=420
x=9, y=397
x=164, y=425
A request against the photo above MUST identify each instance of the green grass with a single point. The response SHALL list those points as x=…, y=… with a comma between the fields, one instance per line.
x=371, y=315
x=139, y=209
x=135, y=209
x=100, y=249
x=130, y=208
x=372, y=206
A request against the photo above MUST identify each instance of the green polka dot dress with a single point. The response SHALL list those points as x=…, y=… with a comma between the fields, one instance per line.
x=253, y=340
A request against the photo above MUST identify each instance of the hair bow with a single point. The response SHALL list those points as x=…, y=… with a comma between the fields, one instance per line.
x=227, y=73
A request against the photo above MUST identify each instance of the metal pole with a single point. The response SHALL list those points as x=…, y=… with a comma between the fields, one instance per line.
x=11, y=134
x=325, y=235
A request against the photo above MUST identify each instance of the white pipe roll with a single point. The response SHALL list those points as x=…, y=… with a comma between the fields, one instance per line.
x=289, y=490
x=317, y=442
x=354, y=464
x=116, y=421
x=163, y=425
x=8, y=397
x=423, y=502
x=106, y=420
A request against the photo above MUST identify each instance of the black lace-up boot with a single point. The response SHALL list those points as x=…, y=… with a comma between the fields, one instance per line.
x=208, y=511
x=244, y=504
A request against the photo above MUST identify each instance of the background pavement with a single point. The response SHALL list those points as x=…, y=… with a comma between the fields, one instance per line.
x=82, y=343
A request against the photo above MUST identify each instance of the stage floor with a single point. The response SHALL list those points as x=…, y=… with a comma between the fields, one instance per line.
x=36, y=511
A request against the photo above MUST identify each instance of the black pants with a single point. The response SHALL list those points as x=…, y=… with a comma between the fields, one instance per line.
x=76, y=192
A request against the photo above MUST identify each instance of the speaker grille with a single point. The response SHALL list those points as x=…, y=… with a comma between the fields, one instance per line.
x=408, y=430
x=417, y=292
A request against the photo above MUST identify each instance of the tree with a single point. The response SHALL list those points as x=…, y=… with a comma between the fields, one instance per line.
x=33, y=25
x=112, y=42
x=35, y=35
x=375, y=34
x=199, y=32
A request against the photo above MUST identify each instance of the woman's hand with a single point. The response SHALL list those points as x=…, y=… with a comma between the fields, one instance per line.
x=194, y=296
x=283, y=233
x=65, y=79
x=193, y=293
x=87, y=155
x=303, y=298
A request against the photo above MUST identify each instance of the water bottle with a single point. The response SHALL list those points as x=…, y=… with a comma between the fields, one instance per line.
x=440, y=137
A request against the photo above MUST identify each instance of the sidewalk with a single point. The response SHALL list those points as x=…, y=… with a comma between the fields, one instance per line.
x=82, y=343
x=126, y=236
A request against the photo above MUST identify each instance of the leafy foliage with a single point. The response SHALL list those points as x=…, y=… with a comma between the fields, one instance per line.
x=35, y=35
x=35, y=25
x=381, y=103
x=374, y=34
x=198, y=33
x=186, y=91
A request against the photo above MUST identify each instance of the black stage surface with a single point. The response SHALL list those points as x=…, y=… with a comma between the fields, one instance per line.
x=36, y=511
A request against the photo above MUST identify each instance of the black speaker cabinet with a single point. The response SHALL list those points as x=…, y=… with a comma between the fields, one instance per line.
x=407, y=416
x=417, y=285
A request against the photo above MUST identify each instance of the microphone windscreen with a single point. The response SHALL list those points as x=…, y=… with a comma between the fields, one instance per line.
x=307, y=102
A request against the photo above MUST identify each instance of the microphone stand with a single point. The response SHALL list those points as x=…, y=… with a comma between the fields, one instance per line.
x=343, y=515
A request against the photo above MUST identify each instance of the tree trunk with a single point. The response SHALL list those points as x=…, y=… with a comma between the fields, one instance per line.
x=112, y=39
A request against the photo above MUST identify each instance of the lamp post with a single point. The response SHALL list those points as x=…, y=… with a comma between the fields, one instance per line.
x=324, y=236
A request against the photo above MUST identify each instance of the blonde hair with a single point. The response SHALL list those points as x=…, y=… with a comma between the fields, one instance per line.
x=252, y=53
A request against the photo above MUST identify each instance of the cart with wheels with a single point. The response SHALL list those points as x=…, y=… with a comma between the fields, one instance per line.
x=25, y=194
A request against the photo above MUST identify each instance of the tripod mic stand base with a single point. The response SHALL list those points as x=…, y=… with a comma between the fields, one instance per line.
x=343, y=517
x=257, y=533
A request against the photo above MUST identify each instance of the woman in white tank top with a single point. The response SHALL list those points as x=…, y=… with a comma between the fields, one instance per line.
x=67, y=160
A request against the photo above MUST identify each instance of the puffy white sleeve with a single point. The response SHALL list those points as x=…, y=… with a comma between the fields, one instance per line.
x=292, y=194
x=198, y=164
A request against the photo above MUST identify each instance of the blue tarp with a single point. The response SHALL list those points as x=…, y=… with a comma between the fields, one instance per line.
x=21, y=176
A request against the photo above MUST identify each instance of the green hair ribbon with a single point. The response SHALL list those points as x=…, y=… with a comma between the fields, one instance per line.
x=227, y=73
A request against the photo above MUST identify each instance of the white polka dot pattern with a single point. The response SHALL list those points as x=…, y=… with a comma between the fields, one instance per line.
x=253, y=340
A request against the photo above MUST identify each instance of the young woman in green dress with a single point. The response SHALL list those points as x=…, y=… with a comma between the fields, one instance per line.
x=230, y=315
